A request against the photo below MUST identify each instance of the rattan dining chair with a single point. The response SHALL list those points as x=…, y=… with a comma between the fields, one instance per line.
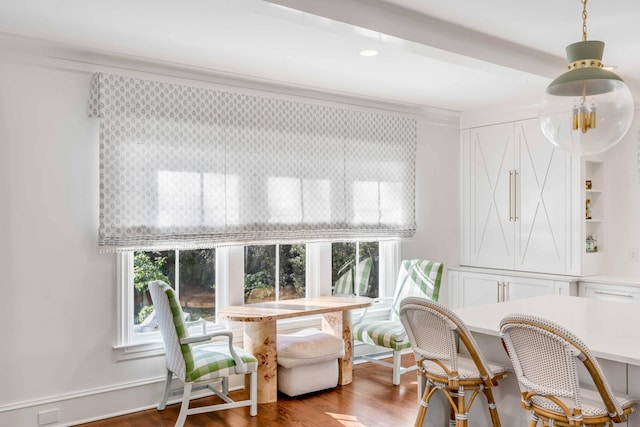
x=434, y=332
x=545, y=357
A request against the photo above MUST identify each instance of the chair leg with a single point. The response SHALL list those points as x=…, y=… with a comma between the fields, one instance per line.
x=253, y=394
x=424, y=403
x=452, y=416
x=491, y=403
x=396, y=367
x=461, y=416
x=184, y=408
x=167, y=390
x=225, y=385
x=422, y=381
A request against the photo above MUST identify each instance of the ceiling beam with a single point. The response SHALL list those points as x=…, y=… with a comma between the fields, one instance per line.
x=408, y=25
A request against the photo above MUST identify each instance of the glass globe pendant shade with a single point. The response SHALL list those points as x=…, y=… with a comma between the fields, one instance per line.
x=586, y=110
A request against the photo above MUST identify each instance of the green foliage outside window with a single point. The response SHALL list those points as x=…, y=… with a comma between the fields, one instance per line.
x=292, y=271
x=146, y=269
x=260, y=272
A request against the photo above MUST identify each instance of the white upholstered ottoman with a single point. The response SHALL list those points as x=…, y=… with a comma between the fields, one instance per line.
x=308, y=361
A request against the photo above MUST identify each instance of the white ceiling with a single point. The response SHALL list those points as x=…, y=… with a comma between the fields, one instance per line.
x=461, y=55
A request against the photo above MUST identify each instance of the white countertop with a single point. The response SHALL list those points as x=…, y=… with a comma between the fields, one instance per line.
x=610, y=329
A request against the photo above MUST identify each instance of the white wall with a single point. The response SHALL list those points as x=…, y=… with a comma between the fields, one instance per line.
x=58, y=293
x=622, y=202
x=437, y=235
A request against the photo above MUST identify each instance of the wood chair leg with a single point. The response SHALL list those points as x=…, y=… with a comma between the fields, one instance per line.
x=461, y=421
x=422, y=381
x=491, y=403
x=424, y=402
x=452, y=416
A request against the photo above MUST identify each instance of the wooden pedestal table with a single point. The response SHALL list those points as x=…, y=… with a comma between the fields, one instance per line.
x=260, y=332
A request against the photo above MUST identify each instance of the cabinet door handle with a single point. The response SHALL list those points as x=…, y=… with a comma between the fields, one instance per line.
x=504, y=290
x=510, y=195
x=515, y=195
x=613, y=294
x=498, y=288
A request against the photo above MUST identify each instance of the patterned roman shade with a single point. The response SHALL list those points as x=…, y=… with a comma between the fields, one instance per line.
x=186, y=167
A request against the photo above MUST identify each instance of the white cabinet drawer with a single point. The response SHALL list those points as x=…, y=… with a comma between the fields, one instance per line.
x=609, y=292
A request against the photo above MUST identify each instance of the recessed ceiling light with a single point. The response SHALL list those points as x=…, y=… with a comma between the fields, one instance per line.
x=368, y=52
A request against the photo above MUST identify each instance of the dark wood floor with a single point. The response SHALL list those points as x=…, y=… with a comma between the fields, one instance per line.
x=370, y=401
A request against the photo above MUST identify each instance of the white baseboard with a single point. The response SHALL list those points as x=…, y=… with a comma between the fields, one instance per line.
x=91, y=405
x=110, y=401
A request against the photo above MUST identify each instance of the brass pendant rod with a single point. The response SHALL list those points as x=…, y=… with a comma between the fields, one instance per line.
x=584, y=20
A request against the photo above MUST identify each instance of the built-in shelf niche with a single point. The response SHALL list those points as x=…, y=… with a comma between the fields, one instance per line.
x=594, y=199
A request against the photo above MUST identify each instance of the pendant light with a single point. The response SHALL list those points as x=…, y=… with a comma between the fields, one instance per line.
x=588, y=109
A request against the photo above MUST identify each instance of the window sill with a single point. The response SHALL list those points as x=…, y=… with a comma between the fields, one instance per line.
x=138, y=350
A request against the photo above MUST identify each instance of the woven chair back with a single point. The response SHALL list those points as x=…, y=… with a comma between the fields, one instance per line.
x=545, y=358
x=434, y=331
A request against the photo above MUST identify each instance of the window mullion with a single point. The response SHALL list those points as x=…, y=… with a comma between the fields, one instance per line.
x=318, y=269
x=176, y=276
x=277, y=273
x=124, y=264
x=389, y=267
x=356, y=291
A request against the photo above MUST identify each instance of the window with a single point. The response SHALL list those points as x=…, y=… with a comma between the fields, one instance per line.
x=349, y=269
x=270, y=272
x=259, y=273
x=191, y=273
x=274, y=272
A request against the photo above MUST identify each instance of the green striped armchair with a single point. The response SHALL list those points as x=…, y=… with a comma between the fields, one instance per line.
x=206, y=365
x=417, y=278
x=359, y=274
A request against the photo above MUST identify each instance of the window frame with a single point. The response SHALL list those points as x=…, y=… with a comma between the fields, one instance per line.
x=230, y=271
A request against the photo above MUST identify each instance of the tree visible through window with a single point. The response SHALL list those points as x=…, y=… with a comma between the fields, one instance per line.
x=292, y=271
x=194, y=284
x=198, y=283
x=261, y=279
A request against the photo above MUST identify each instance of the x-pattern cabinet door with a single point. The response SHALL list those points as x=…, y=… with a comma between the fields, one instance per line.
x=516, y=199
x=489, y=209
x=542, y=201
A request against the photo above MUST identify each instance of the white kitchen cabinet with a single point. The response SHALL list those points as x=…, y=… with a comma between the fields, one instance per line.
x=522, y=202
x=487, y=206
x=610, y=292
x=471, y=287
